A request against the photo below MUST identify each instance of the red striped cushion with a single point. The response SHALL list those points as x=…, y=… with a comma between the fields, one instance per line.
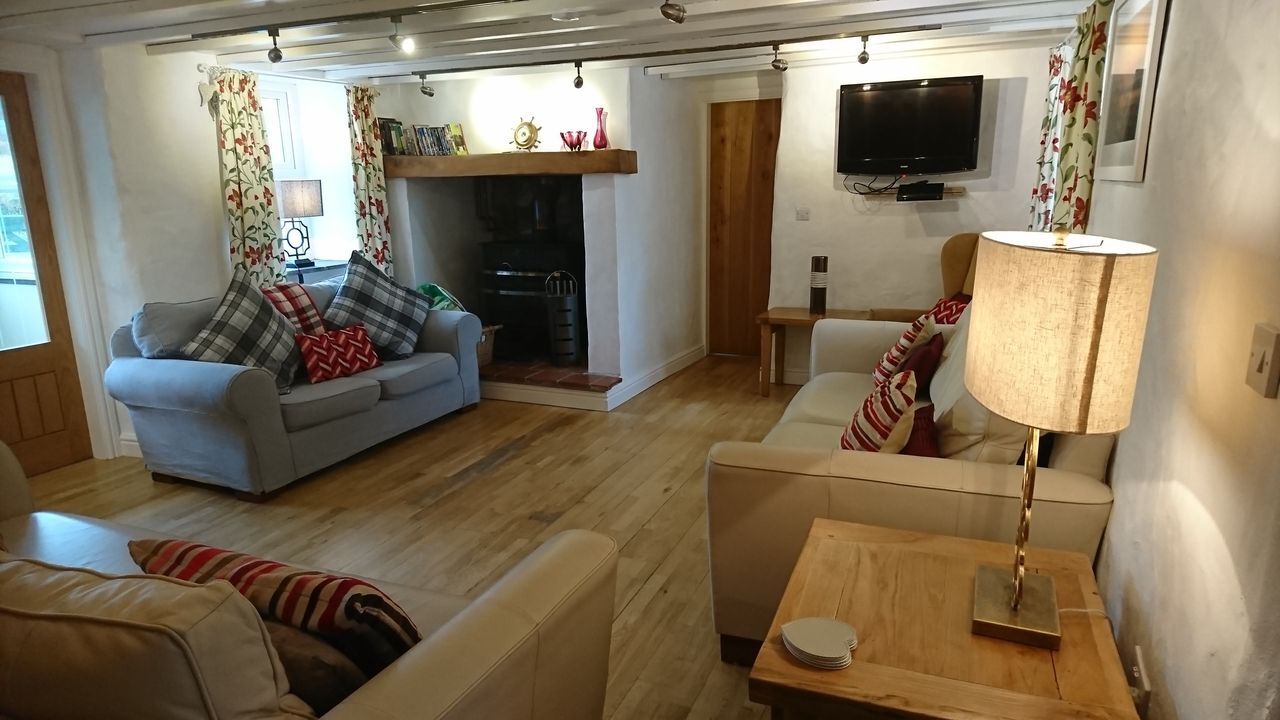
x=947, y=311
x=352, y=615
x=883, y=423
x=915, y=336
x=337, y=353
x=292, y=300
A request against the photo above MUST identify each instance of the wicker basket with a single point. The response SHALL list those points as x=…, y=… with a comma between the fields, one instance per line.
x=484, y=348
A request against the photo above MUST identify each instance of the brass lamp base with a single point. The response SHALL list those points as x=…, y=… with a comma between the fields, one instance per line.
x=1035, y=622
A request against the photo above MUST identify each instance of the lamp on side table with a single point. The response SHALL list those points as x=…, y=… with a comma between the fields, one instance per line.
x=299, y=199
x=1054, y=344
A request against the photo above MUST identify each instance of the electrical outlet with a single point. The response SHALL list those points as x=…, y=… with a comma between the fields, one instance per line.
x=802, y=214
x=1140, y=683
x=1264, y=368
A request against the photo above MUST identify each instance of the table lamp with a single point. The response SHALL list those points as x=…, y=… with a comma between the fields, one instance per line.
x=299, y=199
x=1055, y=340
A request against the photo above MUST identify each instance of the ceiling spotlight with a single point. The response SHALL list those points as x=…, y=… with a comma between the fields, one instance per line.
x=426, y=89
x=578, y=82
x=566, y=17
x=274, y=54
x=864, y=57
x=404, y=43
x=778, y=63
x=674, y=12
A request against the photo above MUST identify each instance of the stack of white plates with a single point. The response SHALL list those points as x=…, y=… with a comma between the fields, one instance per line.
x=820, y=642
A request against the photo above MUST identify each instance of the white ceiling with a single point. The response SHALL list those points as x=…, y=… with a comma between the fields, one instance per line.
x=324, y=38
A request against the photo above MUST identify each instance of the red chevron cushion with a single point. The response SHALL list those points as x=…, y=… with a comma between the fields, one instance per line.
x=337, y=353
x=349, y=613
x=947, y=311
x=292, y=300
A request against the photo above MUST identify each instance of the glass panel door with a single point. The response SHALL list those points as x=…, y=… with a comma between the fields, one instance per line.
x=22, y=318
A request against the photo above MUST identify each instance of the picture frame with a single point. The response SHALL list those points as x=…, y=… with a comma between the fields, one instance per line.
x=1134, y=41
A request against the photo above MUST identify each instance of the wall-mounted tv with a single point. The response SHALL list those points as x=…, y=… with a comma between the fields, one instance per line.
x=910, y=127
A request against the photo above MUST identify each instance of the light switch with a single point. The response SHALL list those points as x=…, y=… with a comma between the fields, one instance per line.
x=802, y=214
x=1264, y=369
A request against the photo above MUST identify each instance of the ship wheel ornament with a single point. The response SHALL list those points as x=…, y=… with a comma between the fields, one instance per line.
x=525, y=136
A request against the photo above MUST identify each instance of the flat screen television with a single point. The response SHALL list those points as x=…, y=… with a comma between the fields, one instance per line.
x=910, y=127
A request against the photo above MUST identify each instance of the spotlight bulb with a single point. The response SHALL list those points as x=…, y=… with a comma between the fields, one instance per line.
x=274, y=54
x=778, y=63
x=426, y=89
x=674, y=12
x=408, y=44
x=578, y=81
x=401, y=42
x=864, y=57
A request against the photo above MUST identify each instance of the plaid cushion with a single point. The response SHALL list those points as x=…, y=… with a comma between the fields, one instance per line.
x=392, y=315
x=354, y=616
x=293, y=301
x=247, y=330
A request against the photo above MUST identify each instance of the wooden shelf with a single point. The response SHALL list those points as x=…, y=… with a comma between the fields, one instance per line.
x=594, y=162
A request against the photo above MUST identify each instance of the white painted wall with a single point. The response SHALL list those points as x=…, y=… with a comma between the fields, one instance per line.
x=489, y=108
x=1191, y=565
x=436, y=236
x=660, y=237
x=884, y=253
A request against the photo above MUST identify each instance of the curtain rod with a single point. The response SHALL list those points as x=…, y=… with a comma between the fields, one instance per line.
x=206, y=68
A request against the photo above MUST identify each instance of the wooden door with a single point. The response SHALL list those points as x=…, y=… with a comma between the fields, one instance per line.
x=41, y=411
x=743, y=155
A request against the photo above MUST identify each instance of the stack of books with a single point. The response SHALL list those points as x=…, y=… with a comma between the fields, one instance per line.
x=421, y=139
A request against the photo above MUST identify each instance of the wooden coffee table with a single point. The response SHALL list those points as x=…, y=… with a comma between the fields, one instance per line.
x=910, y=598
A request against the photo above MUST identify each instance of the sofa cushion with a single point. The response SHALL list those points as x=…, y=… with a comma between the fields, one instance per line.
x=393, y=315
x=294, y=302
x=883, y=423
x=318, y=672
x=924, y=363
x=915, y=336
x=337, y=353
x=160, y=330
x=966, y=429
x=405, y=377
x=829, y=399
x=356, y=617
x=174, y=650
x=311, y=405
x=818, y=436
x=246, y=329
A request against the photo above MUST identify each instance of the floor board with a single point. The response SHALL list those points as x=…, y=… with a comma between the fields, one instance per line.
x=456, y=504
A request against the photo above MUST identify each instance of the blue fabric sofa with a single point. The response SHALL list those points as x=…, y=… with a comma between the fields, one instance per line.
x=227, y=425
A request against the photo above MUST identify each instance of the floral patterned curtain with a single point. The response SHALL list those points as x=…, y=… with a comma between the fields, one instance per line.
x=373, y=226
x=248, y=182
x=1069, y=133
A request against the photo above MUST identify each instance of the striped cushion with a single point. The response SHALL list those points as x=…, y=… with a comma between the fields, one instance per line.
x=918, y=334
x=337, y=353
x=352, y=615
x=947, y=311
x=883, y=423
x=292, y=300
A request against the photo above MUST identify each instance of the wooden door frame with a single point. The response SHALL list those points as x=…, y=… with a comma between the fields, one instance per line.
x=63, y=180
x=711, y=96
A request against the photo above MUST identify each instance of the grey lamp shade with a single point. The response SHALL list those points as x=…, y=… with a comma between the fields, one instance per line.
x=301, y=199
x=1055, y=336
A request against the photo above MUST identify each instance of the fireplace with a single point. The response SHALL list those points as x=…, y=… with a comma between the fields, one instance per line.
x=533, y=275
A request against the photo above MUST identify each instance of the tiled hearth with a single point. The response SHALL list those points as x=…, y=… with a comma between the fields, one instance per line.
x=544, y=374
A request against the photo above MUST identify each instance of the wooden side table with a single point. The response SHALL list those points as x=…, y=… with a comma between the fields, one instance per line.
x=910, y=597
x=775, y=321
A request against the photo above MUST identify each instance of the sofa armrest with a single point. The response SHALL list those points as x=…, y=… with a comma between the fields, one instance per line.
x=851, y=345
x=192, y=386
x=905, y=315
x=458, y=334
x=762, y=499
x=534, y=647
x=15, y=493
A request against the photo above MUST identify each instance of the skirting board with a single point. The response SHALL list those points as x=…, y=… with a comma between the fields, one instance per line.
x=583, y=400
x=129, y=445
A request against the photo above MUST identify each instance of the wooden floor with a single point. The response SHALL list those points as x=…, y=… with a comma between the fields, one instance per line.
x=454, y=505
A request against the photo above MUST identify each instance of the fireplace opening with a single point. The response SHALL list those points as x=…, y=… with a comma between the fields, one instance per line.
x=533, y=267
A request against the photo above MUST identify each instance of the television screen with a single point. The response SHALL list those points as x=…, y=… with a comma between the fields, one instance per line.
x=910, y=127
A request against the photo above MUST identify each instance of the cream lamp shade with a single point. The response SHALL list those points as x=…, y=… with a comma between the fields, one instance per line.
x=1056, y=332
x=301, y=199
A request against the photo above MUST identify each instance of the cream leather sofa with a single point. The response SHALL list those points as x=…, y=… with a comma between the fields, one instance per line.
x=535, y=646
x=762, y=497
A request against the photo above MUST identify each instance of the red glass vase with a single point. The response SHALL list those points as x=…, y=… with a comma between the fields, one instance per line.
x=602, y=138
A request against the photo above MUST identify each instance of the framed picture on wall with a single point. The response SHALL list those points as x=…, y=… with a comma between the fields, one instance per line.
x=1129, y=90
